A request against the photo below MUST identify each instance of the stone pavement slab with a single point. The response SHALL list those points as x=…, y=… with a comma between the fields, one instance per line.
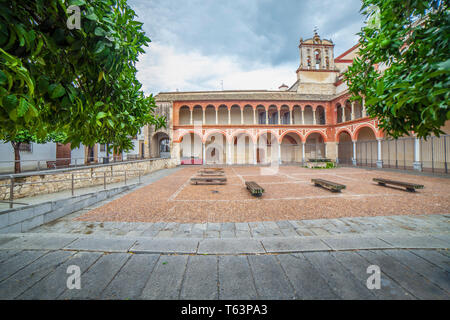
x=39, y=242
x=414, y=242
x=230, y=246
x=235, y=278
x=270, y=280
x=200, y=279
x=165, y=246
x=55, y=283
x=98, y=244
x=132, y=277
x=97, y=277
x=415, y=284
x=351, y=243
x=275, y=245
x=344, y=284
x=307, y=282
x=20, y=281
x=166, y=278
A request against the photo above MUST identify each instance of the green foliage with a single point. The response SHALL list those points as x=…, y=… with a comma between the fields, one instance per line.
x=81, y=83
x=412, y=94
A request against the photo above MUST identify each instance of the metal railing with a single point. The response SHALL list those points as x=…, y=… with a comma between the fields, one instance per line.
x=27, y=165
x=101, y=177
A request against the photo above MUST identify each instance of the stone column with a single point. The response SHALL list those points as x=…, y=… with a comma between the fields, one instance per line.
x=354, y=153
x=229, y=116
x=417, y=161
x=353, y=111
x=203, y=153
x=279, y=116
x=314, y=117
x=204, y=115
x=217, y=116
x=191, y=119
x=364, y=114
x=229, y=156
x=279, y=153
x=254, y=116
x=303, y=116
x=343, y=113
x=267, y=116
x=290, y=116
x=254, y=153
x=242, y=116
x=379, y=156
x=303, y=152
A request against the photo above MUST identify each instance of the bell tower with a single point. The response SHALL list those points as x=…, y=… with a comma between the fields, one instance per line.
x=316, y=65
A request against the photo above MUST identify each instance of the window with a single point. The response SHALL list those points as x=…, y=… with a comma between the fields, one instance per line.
x=26, y=147
x=103, y=148
x=164, y=145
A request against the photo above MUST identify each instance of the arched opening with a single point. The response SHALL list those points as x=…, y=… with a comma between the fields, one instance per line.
x=191, y=149
x=317, y=58
x=366, y=147
x=358, y=109
x=267, y=151
x=261, y=113
x=348, y=110
x=210, y=115
x=297, y=115
x=215, y=149
x=345, y=148
x=222, y=114
x=291, y=148
x=235, y=114
x=197, y=115
x=285, y=115
x=242, y=149
x=338, y=113
x=273, y=114
x=314, y=146
x=160, y=145
x=309, y=118
x=184, y=116
x=248, y=114
x=320, y=115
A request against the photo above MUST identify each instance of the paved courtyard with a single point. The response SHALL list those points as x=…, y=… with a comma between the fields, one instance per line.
x=135, y=253
x=289, y=195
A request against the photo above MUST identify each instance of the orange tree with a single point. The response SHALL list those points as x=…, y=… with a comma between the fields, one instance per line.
x=80, y=82
x=411, y=44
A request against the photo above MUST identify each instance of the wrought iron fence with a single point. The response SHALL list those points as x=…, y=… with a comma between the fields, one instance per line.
x=432, y=155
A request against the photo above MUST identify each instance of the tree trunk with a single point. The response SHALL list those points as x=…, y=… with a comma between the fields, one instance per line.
x=16, y=146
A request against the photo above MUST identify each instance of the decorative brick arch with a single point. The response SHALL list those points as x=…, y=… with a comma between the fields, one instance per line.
x=244, y=131
x=338, y=132
x=211, y=132
x=180, y=133
x=273, y=132
x=377, y=133
x=324, y=136
x=291, y=131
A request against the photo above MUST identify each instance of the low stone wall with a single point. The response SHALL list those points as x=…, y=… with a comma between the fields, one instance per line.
x=58, y=180
x=25, y=218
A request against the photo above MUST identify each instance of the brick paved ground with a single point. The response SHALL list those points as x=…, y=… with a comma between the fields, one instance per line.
x=289, y=196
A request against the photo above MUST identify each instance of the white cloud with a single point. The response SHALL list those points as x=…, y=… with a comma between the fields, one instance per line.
x=163, y=68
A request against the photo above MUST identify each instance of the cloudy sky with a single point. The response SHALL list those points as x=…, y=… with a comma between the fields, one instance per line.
x=247, y=44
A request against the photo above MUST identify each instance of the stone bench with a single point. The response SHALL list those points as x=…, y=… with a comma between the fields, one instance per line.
x=329, y=185
x=411, y=187
x=254, y=188
x=209, y=180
